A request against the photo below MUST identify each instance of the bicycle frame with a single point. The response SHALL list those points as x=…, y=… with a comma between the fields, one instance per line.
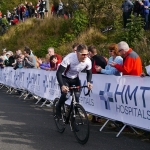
x=76, y=117
x=73, y=102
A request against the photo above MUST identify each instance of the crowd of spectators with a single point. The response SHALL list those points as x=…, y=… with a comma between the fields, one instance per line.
x=137, y=7
x=123, y=61
x=24, y=11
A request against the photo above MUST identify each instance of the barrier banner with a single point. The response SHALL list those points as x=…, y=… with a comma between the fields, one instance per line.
x=125, y=98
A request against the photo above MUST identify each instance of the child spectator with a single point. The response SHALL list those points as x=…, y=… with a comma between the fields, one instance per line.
x=55, y=62
x=19, y=63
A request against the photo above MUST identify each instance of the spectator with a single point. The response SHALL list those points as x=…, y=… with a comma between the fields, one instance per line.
x=1, y=13
x=38, y=8
x=26, y=14
x=29, y=60
x=50, y=53
x=1, y=63
x=18, y=52
x=4, y=23
x=126, y=8
x=132, y=64
x=113, y=51
x=52, y=10
x=96, y=59
x=42, y=9
x=44, y=64
x=15, y=20
x=54, y=60
x=4, y=54
x=74, y=47
x=18, y=11
x=136, y=8
x=19, y=63
x=8, y=16
x=145, y=12
x=6, y=62
x=60, y=9
x=0, y=20
x=11, y=59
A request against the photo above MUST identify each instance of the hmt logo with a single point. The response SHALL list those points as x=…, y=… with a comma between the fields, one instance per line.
x=50, y=82
x=106, y=96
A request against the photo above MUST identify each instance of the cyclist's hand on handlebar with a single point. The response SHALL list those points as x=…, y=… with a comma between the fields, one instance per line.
x=64, y=89
x=89, y=85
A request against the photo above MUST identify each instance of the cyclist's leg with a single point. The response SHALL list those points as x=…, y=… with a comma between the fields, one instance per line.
x=77, y=91
x=75, y=82
x=62, y=99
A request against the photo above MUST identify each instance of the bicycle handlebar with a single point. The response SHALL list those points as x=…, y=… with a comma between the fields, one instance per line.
x=79, y=87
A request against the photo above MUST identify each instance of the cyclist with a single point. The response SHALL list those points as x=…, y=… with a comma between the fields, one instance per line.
x=67, y=74
x=4, y=24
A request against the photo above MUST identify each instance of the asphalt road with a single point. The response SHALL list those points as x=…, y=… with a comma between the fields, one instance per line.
x=26, y=126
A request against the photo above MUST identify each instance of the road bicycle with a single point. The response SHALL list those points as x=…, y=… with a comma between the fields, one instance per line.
x=74, y=115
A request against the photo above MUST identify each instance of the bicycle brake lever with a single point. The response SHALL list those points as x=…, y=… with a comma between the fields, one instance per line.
x=88, y=93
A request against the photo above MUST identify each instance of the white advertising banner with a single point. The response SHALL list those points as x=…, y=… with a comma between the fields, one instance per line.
x=123, y=98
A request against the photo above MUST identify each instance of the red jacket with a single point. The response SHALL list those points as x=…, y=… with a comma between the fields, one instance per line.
x=132, y=64
x=15, y=21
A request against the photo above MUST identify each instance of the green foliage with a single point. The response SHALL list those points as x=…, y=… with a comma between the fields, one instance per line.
x=132, y=34
x=79, y=22
x=67, y=38
x=50, y=42
x=61, y=34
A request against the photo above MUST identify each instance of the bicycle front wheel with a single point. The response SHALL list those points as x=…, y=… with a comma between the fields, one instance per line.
x=59, y=122
x=80, y=124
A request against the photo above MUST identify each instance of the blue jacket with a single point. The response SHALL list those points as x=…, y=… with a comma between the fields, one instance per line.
x=146, y=3
x=112, y=70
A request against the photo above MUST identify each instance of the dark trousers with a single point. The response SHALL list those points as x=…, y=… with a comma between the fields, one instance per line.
x=69, y=82
x=126, y=16
x=146, y=19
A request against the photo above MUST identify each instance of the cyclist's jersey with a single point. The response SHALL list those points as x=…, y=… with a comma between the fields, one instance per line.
x=73, y=66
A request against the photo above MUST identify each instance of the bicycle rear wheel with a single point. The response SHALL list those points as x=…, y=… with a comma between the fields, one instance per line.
x=80, y=124
x=59, y=122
